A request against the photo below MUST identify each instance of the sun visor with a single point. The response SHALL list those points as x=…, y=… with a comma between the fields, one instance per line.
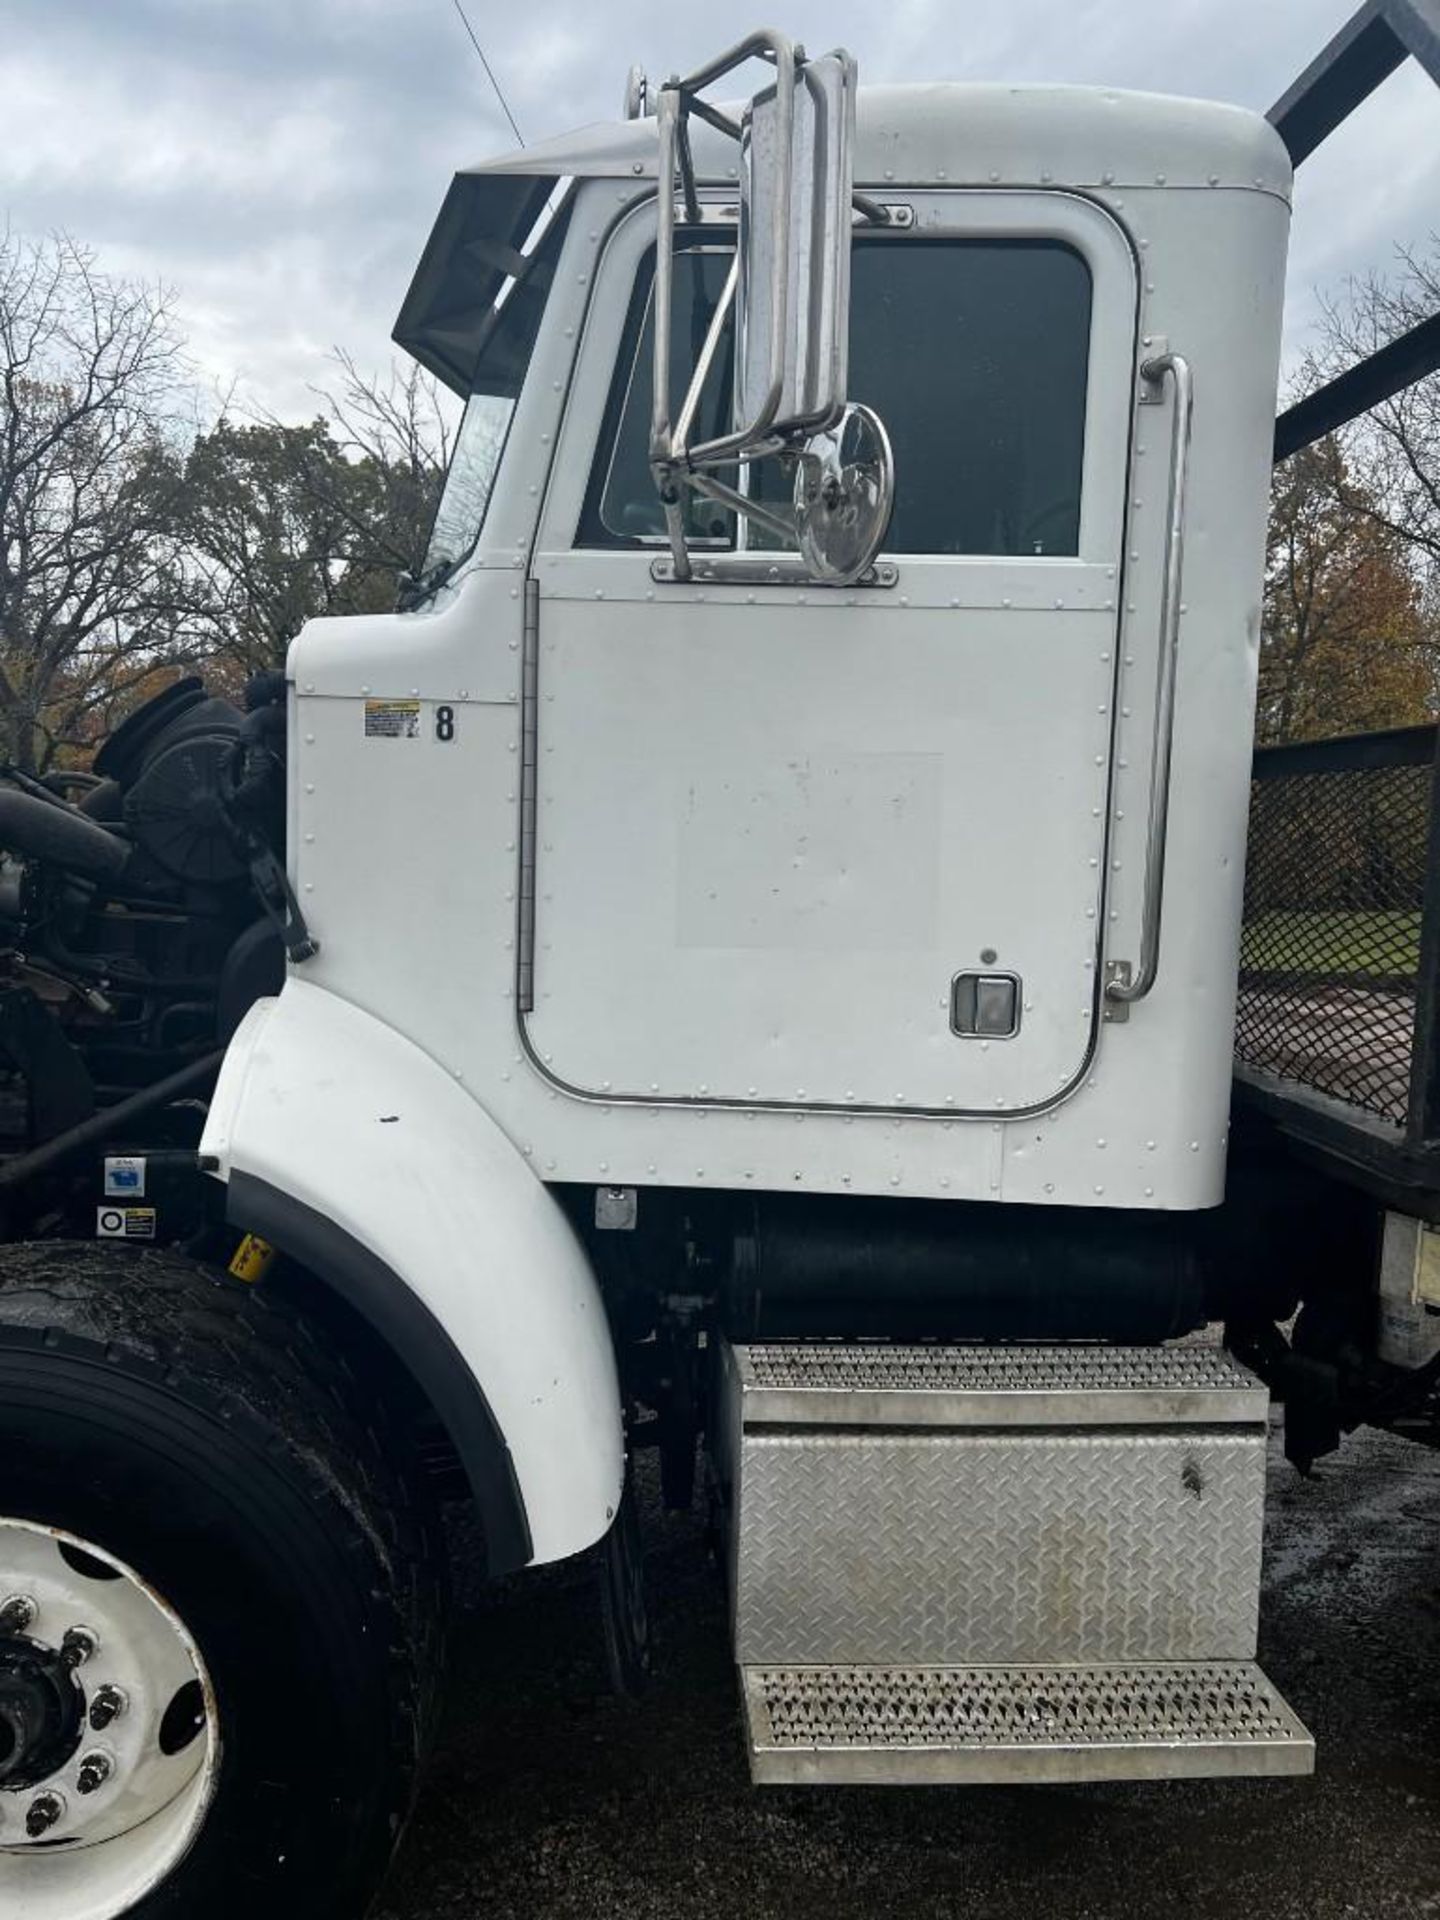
x=475, y=247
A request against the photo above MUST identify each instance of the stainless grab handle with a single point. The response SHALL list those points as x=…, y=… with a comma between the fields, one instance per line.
x=1124, y=986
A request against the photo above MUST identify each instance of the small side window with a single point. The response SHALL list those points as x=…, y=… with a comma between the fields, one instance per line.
x=622, y=507
x=975, y=354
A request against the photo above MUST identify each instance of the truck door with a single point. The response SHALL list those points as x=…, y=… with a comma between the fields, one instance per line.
x=842, y=847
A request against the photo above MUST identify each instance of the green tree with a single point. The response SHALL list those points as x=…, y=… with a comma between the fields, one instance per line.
x=1349, y=643
x=265, y=513
x=281, y=523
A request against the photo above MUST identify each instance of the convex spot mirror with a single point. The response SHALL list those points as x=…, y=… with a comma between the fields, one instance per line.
x=844, y=493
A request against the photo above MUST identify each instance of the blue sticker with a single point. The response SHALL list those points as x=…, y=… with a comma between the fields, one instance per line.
x=125, y=1176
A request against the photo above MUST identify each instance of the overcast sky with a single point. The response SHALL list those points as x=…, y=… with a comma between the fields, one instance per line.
x=278, y=162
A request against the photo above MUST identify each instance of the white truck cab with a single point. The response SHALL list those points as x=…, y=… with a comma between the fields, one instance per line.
x=865, y=870
x=762, y=925
x=773, y=882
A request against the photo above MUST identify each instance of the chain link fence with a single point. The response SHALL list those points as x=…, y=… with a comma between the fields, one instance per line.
x=1334, y=891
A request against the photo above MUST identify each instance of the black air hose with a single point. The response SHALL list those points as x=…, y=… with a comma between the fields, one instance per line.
x=45, y=830
x=110, y=1122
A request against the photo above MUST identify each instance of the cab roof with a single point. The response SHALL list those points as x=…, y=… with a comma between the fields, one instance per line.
x=935, y=133
x=974, y=134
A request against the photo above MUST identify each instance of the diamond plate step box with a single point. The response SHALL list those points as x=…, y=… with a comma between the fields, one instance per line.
x=1093, y=1512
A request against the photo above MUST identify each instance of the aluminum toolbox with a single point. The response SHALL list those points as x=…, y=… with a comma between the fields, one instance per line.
x=1000, y=1562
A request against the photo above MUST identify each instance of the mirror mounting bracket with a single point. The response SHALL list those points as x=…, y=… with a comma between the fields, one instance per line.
x=761, y=569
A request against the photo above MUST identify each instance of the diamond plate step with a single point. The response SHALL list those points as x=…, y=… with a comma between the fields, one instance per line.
x=907, y=1725
x=1031, y=1386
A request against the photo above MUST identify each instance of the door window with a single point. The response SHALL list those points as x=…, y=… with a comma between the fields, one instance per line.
x=975, y=354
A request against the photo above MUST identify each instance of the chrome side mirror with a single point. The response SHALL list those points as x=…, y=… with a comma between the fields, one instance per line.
x=793, y=295
x=789, y=294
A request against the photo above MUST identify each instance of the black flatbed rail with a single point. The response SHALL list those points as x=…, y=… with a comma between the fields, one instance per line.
x=1336, y=1029
x=1337, y=1033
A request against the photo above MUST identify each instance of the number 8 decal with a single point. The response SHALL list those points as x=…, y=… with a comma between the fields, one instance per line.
x=444, y=723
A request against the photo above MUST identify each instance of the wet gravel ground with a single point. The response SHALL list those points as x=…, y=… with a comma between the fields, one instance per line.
x=550, y=1797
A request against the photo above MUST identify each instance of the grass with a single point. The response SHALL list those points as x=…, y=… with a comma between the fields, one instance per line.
x=1334, y=943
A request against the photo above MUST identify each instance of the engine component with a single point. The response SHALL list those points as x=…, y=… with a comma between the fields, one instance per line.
x=140, y=923
x=174, y=770
x=54, y=830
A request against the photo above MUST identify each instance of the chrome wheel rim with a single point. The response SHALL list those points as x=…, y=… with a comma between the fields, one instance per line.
x=109, y=1742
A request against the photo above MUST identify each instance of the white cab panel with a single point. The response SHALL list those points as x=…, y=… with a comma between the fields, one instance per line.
x=774, y=824
x=766, y=846
x=407, y=854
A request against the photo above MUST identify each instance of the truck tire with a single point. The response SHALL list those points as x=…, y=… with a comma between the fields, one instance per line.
x=220, y=1600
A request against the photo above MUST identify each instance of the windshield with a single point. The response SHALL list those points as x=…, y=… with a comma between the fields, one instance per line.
x=474, y=462
x=506, y=343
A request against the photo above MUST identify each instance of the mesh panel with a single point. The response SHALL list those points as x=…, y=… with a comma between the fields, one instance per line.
x=1333, y=892
x=1023, y=1369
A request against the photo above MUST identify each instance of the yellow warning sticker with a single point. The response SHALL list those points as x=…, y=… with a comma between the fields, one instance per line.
x=251, y=1259
x=392, y=719
x=125, y=1223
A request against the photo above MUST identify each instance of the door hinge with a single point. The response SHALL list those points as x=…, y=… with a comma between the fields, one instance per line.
x=529, y=701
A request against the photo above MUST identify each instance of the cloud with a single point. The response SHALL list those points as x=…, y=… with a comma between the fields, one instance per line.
x=280, y=163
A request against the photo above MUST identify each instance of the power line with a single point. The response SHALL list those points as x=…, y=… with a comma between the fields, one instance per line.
x=490, y=72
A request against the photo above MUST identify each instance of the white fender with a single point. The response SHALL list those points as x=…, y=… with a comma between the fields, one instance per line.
x=324, y=1104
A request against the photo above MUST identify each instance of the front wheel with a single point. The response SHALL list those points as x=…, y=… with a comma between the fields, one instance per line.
x=219, y=1611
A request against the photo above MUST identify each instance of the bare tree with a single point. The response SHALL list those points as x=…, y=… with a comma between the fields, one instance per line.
x=399, y=426
x=89, y=596
x=1393, y=453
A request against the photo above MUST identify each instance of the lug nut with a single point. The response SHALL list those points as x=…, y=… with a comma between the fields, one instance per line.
x=17, y=1613
x=109, y=1703
x=95, y=1770
x=42, y=1813
x=78, y=1646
